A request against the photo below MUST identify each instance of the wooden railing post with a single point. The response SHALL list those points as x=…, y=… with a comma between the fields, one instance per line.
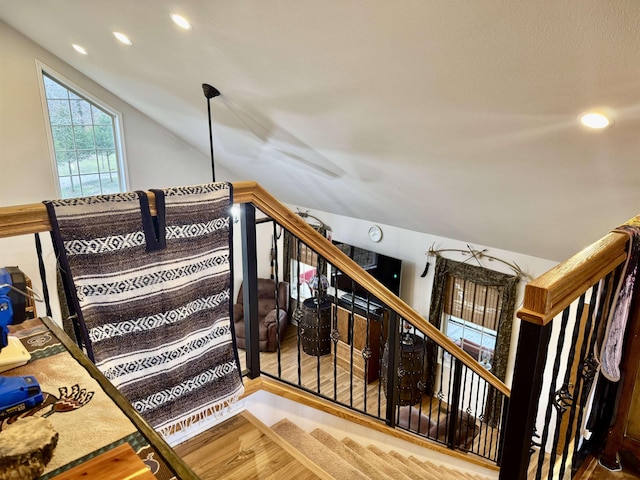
x=531, y=357
x=250, y=288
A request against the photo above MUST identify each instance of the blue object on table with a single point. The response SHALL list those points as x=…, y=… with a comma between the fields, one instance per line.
x=16, y=393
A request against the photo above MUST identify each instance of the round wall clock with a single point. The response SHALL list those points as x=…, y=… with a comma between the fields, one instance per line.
x=375, y=233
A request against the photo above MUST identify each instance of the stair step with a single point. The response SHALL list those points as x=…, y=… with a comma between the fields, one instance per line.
x=374, y=459
x=400, y=465
x=424, y=470
x=349, y=455
x=316, y=451
x=346, y=458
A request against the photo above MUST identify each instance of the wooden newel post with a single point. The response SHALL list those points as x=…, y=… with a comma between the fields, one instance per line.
x=531, y=357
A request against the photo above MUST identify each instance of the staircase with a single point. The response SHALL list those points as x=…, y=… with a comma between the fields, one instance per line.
x=347, y=459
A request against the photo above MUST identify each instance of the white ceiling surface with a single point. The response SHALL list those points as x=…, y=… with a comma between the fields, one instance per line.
x=454, y=118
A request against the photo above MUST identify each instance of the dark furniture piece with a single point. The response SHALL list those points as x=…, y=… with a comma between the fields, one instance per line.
x=268, y=325
x=437, y=427
x=411, y=373
x=360, y=332
x=315, y=326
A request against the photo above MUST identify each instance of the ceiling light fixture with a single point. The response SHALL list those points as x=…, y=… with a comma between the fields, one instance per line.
x=181, y=21
x=79, y=49
x=595, y=120
x=122, y=38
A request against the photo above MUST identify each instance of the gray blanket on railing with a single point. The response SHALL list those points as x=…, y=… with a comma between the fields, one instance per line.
x=153, y=297
x=611, y=353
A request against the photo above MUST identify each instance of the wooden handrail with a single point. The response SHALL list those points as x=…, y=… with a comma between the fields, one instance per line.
x=254, y=193
x=32, y=218
x=548, y=295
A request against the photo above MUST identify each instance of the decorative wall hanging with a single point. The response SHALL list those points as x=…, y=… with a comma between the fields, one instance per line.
x=476, y=255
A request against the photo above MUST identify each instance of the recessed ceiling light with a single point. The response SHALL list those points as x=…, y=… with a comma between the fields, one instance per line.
x=122, y=38
x=79, y=49
x=180, y=21
x=595, y=120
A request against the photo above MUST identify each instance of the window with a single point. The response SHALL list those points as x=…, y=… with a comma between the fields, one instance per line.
x=470, y=317
x=85, y=138
x=469, y=303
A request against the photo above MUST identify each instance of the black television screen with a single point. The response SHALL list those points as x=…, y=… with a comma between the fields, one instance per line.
x=385, y=269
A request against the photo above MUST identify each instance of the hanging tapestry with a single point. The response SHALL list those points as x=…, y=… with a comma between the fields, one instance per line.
x=611, y=353
x=152, y=295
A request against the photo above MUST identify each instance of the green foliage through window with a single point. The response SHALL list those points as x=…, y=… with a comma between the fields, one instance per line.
x=84, y=140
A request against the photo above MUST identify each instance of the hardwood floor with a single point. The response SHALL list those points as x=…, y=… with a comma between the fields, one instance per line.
x=237, y=449
x=594, y=471
x=319, y=375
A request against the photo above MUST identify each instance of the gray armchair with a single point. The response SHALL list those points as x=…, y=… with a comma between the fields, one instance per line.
x=267, y=314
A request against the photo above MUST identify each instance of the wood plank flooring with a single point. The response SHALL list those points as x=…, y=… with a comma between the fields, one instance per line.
x=594, y=471
x=238, y=450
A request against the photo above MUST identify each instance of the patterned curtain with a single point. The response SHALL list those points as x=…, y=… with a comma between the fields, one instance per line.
x=479, y=276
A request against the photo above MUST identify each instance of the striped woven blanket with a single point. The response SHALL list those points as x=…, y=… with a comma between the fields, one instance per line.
x=153, y=299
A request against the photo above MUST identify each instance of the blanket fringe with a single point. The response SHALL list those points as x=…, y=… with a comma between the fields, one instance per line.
x=217, y=410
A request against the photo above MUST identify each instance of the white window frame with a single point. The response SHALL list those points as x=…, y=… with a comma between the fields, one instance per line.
x=43, y=69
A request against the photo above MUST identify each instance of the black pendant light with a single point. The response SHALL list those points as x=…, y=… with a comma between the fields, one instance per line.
x=210, y=92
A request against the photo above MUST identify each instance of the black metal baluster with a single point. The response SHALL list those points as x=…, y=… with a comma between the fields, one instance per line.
x=440, y=391
x=392, y=363
x=352, y=321
x=366, y=353
x=478, y=382
x=503, y=421
x=461, y=384
x=494, y=408
x=318, y=302
x=550, y=401
x=335, y=334
x=432, y=393
x=250, y=289
x=590, y=364
x=563, y=398
x=483, y=416
x=381, y=347
x=299, y=313
x=454, y=400
x=576, y=403
x=274, y=261
x=531, y=358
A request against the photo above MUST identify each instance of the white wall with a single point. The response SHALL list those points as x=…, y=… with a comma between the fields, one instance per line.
x=155, y=157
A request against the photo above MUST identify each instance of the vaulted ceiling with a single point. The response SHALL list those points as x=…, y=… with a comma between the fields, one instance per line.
x=455, y=118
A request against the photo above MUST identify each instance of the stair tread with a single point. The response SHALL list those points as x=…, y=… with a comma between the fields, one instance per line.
x=346, y=458
x=428, y=472
x=316, y=451
x=349, y=455
x=369, y=456
x=432, y=467
x=403, y=467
